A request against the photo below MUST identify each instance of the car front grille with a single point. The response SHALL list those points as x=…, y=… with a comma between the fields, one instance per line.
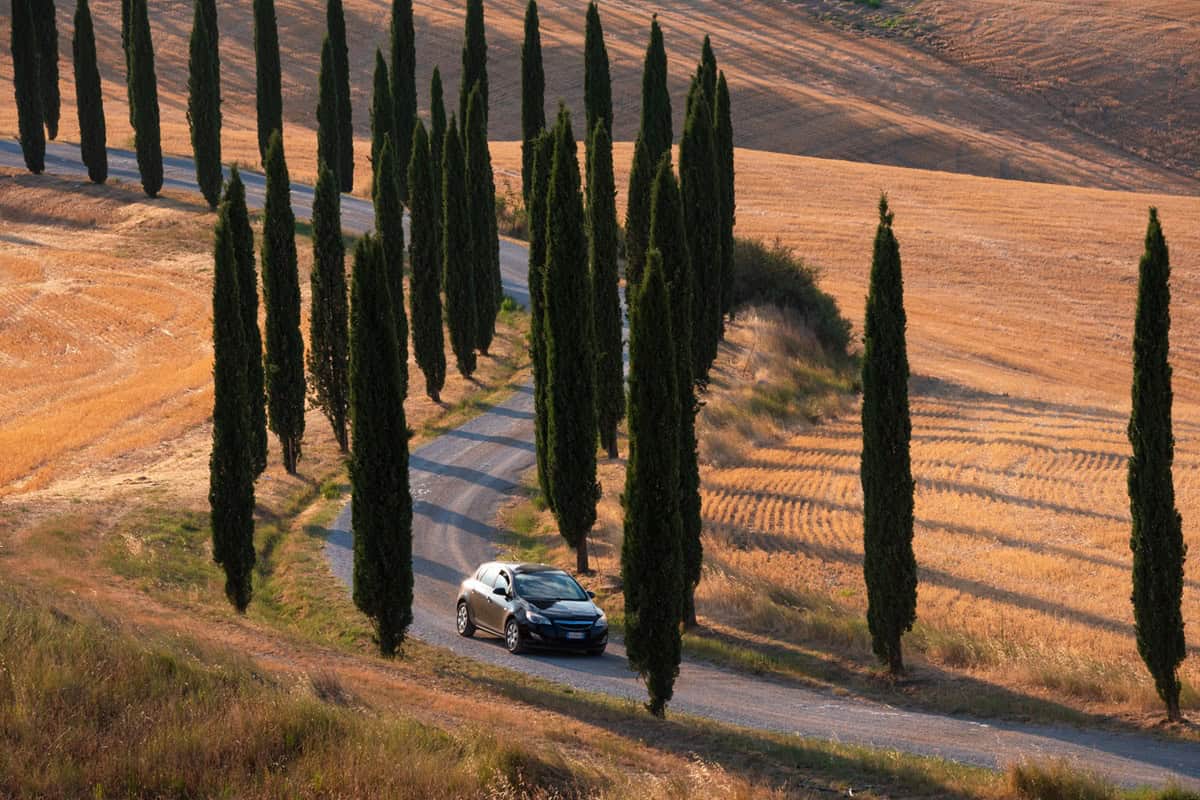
x=573, y=624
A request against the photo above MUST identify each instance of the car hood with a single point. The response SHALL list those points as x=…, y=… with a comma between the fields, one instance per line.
x=573, y=609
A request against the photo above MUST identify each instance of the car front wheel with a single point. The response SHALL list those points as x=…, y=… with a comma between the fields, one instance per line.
x=465, y=626
x=512, y=638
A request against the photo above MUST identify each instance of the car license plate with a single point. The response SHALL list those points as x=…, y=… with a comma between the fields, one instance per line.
x=575, y=635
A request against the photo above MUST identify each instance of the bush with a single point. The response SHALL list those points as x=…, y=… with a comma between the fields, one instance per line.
x=773, y=274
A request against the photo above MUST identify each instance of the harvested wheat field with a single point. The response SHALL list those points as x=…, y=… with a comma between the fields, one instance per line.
x=921, y=84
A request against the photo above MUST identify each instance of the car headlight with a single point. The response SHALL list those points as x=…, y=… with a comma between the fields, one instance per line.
x=601, y=621
x=536, y=618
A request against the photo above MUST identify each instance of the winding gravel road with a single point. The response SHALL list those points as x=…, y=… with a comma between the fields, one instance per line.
x=460, y=480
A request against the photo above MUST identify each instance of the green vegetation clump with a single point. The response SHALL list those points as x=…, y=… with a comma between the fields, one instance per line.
x=1060, y=781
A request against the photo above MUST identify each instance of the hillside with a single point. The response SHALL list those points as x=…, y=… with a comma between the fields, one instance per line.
x=1089, y=95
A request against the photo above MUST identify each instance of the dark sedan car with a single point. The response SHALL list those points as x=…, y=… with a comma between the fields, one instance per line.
x=531, y=605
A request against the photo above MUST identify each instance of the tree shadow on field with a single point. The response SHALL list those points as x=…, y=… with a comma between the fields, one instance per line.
x=126, y=194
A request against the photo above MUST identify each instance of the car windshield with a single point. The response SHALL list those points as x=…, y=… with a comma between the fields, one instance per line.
x=548, y=586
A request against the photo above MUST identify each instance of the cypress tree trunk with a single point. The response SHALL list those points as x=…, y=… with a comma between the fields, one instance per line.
x=381, y=501
x=482, y=205
x=46, y=25
x=570, y=357
x=383, y=119
x=329, y=151
x=724, y=128
x=89, y=99
x=425, y=259
x=474, y=63
x=26, y=82
x=204, y=102
x=389, y=227
x=1157, y=538
x=231, y=471
x=269, y=81
x=143, y=100
x=458, y=268
x=328, y=345
x=243, y=243
x=668, y=236
x=701, y=189
x=335, y=20
x=533, y=95
x=637, y=218
x=651, y=551
x=606, y=294
x=889, y=565
x=437, y=140
x=281, y=293
x=404, y=87
x=597, y=81
x=543, y=163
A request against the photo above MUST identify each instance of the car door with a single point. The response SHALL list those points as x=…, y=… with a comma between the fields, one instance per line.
x=480, y=600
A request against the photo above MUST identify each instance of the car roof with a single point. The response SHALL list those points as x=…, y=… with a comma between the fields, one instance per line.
x=522, y=566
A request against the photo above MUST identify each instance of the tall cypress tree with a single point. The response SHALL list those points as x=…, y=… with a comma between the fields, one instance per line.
x=404, y=87
x=701, y=189
x=328, y=341
x=389, y=227
x=474, y=62
x=597, y=81
x=243, y=244
x=126, y=6
x=533, y=94
x=281, y=294
x=637, y=217
x=89, y=99
x=654, y=137
x=668, y=235
x=204, y=102
x=437, y=140
x=1157, y=538
x=606, y=294
x=724, y=129
x=426, y=262
x=706, y=73
x=231, y=470
x=46, y=25
x=268, y=76
x=458, y=268
x=570, y=357
x=329, y=152
x=482, y=209
x=543, y=163
x=381, y=500
x=335, y=21
x=889, y=565
x=143, y=99
x=26, y=83
x=651, y=551
x=383, y=118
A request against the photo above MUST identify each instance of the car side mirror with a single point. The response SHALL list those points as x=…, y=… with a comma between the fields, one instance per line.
x=500, y=590
x=591, y=594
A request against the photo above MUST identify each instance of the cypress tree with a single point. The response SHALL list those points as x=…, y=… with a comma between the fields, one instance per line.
x=724, y=144
x=204, y=102
x=243, y=243
x=533, y=95
x=328, y=341
x=425, y=260
x=231, y=471
x=437, y=140
x=654, y=136
x=269, y=80
x=597, y=81
x=637, y=217
x=889, y=565
x=1157, y=538
x=458, y=268
x=606, y=294
x=381, y=502
x=668, y=235
x=706, y=73
x=474, y=63
x=543, y=163
x=89, y=99
x=482, y=209
x=335, y=21
x=383, y=119
x=328, y=130
x=389, y=228
x=701, y=190
x=651, y=551
x=570, y=357
x=126, y=6
x=404, y=87
x=46, y=26
x=26, y=83
x=281, y=293
x=143, y=99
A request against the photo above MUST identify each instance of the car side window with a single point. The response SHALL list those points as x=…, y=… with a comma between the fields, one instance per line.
x=487, y=575
x=502, y=582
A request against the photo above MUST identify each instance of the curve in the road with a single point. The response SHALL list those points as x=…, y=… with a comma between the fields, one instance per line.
x=459, y=482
